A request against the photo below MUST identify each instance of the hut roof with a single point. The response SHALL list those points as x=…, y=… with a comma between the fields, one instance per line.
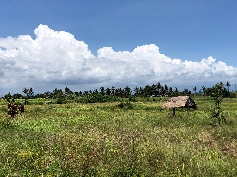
x=179, y=102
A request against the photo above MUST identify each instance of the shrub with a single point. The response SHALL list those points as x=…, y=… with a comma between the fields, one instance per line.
x=131, y=98
x=81, y=100
x=125, y=105
x=216, y=110
x=60, y=101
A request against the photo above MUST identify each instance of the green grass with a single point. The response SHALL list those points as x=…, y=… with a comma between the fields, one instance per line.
x=108, y=139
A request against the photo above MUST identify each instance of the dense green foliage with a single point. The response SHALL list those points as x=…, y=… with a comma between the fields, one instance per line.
x=216, y=110
x=118, y=139
x=114, y=94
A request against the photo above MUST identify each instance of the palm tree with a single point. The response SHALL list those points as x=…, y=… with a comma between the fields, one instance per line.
x=141, y=91
x=166, y=89
x=136, y=91
x=67, y=91
x=153, y=90
x=147, y=90
x=176, y=92
x=47, y=94
x=30, y=92
x=158, y=87
x=119, y=92
x=95, y=91
x=195, y=89
x=127, y=91
x=204, y=90
x=186, y=92
x=25, y=91
x=112, y=90
x=228, y=86
x=170, y=91
x=102, y=90
x=108, y=91
x=162, y=91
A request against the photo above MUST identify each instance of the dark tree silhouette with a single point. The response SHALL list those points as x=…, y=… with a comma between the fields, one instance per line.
x=127, y=91
x=30, y=93
x=158, y=87
x=136, y=91
x=170, y=91
x=102, y=90
x=228, y=86
x=204, y=90
x=25, y=91
x=108, y=91
x=195, y=89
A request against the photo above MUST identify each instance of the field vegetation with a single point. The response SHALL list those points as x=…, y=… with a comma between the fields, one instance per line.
x=127, y=137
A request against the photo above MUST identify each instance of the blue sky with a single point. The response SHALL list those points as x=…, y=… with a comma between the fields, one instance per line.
x=180, y=29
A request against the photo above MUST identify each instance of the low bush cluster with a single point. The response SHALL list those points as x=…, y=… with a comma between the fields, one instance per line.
x=125, y=105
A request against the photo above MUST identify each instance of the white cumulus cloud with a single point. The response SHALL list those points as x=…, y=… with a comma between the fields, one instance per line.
x=56, y=58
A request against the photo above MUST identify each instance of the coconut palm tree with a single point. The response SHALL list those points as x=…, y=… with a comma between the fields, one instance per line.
x=228, y=86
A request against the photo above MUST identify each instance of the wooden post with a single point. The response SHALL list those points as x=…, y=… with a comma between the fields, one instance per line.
x=188, y=109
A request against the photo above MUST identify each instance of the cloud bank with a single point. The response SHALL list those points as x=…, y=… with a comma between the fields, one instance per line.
x=56, y=58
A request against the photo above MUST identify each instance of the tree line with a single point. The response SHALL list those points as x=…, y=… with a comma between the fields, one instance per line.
x=154, y=90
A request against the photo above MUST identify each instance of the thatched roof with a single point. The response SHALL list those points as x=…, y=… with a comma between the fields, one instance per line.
x=179, y=102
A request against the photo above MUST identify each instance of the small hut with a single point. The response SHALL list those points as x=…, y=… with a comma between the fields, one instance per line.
x=180, y=102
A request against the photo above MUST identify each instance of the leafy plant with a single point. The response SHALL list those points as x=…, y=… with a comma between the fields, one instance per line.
x=216, y=110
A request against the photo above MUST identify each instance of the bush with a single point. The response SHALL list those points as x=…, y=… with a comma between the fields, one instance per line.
x=216, y=110
x=81, y=100
x=132, y=98
x=61, y=101
x=125, y=105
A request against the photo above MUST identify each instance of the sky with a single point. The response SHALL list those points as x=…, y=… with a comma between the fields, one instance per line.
x=88, y=44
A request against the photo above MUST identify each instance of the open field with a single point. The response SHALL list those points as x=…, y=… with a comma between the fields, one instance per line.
x=104, y=139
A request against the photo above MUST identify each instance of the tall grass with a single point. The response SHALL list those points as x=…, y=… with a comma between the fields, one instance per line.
x=108, y=139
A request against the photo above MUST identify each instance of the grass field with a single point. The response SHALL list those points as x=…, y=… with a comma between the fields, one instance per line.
x=139, y=139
